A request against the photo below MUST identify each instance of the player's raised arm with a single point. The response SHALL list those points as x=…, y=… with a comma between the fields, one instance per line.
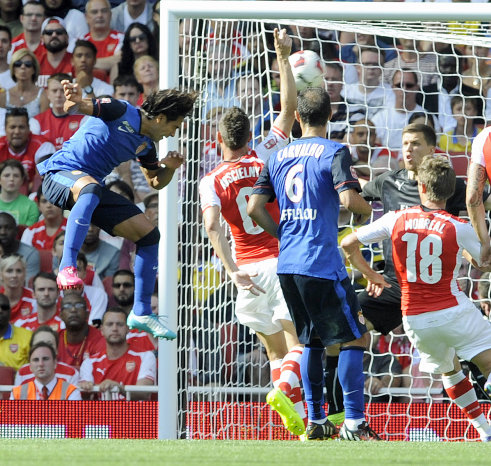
x=288, y=90
x=74, y=102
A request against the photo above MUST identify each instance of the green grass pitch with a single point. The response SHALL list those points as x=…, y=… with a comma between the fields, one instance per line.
x=203, y=453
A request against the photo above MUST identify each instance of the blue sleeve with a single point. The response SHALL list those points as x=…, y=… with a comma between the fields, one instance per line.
x=263, y=184
x=108, y=109
x=342, y=176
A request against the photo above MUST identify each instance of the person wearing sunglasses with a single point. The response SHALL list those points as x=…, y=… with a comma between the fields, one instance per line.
x=138, y=41
x=79, y=340
x=24, y=70
x=57, y=59
x=390, y=123
x=14, y=341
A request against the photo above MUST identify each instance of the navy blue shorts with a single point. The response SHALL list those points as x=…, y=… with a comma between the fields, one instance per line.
x=384, y=311
x=323, y=309
x=112, y=210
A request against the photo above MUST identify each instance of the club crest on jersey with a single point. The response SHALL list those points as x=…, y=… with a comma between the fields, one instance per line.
x=353, y=172
x=140, y=148
x=361, y=318
x=130, y=366
x=14, y=347
x=25, y=311
x=73, y=125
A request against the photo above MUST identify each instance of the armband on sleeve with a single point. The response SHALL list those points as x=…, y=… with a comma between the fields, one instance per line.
x=107, y=108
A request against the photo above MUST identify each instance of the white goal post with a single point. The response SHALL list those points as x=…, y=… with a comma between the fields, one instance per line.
x=385, y=17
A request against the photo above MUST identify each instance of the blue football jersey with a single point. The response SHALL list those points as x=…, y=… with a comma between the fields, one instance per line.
x=306, y=177
x=106, y=140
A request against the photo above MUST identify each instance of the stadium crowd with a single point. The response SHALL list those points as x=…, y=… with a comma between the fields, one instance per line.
x=377, y=86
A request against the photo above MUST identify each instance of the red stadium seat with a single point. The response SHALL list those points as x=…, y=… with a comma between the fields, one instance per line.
x=7, y=376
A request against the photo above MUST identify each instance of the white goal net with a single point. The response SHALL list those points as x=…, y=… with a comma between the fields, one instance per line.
x=222, y=370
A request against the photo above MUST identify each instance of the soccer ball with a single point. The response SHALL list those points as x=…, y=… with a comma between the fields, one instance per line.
x=307, y=69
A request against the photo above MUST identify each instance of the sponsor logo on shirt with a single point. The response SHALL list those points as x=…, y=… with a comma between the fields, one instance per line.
x=125, y=127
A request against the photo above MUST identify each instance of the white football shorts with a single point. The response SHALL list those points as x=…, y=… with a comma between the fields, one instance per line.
x=440, y=335
x=262, y=313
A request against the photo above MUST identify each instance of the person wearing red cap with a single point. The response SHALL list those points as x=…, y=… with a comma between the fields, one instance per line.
x=56, y=59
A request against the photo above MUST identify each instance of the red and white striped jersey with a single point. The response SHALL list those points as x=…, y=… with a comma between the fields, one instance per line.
x=127, y=369
x=427, y=250
x=19, y=42
x=37, y=237
x=32, y=322
x=37, y=148
x=139, y=341
x=62, y=371
x=481, y=150
x=229, y=187
x=24, y=307
x=56, y=129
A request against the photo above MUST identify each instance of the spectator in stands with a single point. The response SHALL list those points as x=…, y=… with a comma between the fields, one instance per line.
x=79, y=340
x=410, y=57
x=459, y=140
x=151, y=203
x=138, y=41
x=107, y=41
x=333, y=78
x=435, y=97
x=74, y=19
x=370, y=160
x=96, y=296
x=12, y=176
x=55, y=124
x=46, y=311
x=13, y=279
x=10, y=245
x=24, y=70
x=118, y=365
x=63, y=371
x=57, y=59
x=101, y=255
x=6, y=81
x=14, y=341
x=9, y=16
x=146, y=71
x=127, y=88
x=20, y=145
x=83, y=61
x=124, y=289
x=395, y=116
x=369, y=94
x=42, y=234
x=32, y=18
x=478, y=72
x=45, y=386
x=128, y=13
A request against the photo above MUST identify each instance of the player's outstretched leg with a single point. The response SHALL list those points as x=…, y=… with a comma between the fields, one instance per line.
x=146, y=260
x=284, y=407
x=78, y=224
